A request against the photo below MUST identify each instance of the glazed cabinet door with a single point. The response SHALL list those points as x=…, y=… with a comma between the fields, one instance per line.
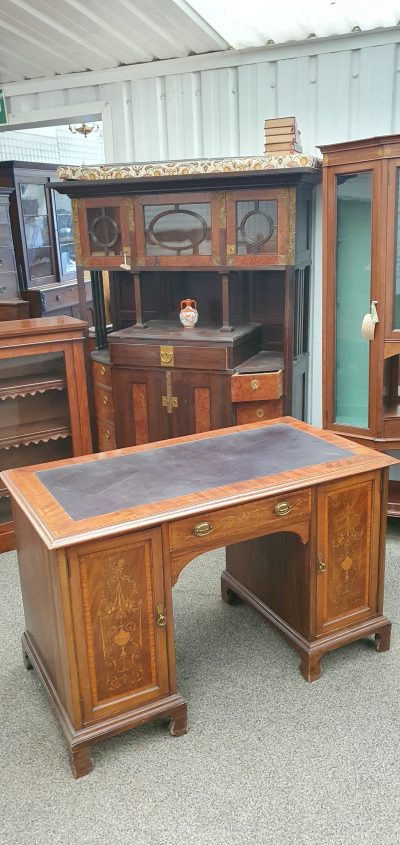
x=347, y=552
x=118, y=610
x=353, y=274
x=104, y=235
x=177, y=230
x=261, y=227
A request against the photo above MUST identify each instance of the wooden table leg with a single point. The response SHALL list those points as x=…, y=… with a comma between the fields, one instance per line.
x=310, y=666
x=178, y=723
x=227, y=594
x=26, y=658
x=81, y=761
x=382, y=638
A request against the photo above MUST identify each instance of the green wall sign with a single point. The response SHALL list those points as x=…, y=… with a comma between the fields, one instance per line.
x=3, y=110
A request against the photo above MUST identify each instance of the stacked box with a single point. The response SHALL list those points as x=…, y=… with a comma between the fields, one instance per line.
x=282, y=136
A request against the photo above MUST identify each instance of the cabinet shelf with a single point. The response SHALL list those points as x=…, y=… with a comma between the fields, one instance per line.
x=21, y=386
x=34, y=432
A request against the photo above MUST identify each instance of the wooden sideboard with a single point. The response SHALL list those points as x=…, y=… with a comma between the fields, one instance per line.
x=102, y=539
x=235, y=236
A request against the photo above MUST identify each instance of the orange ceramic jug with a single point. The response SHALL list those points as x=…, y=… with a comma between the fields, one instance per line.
x=188, y=314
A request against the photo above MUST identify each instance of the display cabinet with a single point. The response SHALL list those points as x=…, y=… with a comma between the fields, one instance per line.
x=362, y=288
x=43, y=239
x=43, y=400
x=12, y=307
x=235, y=236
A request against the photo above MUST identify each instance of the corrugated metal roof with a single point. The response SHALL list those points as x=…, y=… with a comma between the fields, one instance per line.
x=45, y=38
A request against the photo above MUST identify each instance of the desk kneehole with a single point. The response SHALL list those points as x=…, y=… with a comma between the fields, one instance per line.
x=232, y=523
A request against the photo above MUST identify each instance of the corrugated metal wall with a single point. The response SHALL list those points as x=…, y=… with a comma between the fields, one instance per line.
x=215, y=105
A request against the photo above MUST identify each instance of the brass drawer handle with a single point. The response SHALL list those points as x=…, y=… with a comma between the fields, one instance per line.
x=254, y=384
x=202, y=528
x=103, y=371
x=108, y=434
x=282, y=508
x=105, y=400
x=161, y=618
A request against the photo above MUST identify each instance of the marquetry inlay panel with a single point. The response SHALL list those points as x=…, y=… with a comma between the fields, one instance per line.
x=344, y=585
x=117, y=601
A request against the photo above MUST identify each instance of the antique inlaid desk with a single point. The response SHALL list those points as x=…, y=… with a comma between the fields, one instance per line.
x=102, y=539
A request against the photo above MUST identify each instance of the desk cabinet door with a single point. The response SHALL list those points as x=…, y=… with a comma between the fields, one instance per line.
x=347, y=553
x=117, y=591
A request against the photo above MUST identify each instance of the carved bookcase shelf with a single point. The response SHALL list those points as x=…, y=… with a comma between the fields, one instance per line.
x=43, y=402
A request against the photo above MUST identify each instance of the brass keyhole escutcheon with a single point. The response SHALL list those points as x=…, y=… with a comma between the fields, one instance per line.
x=161, y=618
x=167, y=356
x=254, y=384
x=202, y=528
x=282, y=509
x=260, y=413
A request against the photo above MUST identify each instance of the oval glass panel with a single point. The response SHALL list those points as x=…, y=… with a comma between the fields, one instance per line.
x=257, y=227
x=178, y=229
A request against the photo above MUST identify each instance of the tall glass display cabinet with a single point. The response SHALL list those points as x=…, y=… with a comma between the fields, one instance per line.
x=361, y=256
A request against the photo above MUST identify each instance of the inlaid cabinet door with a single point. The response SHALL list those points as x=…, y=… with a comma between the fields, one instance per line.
x=105, y=232
x=119, y=618
x=347, y=556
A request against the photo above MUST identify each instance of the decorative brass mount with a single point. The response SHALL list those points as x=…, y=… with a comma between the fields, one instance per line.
x=322, y=567
x=169, y=401
x=167, y=356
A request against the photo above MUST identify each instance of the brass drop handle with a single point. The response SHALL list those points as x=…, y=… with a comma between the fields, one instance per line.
x=202, y=528
x=105, y=400
x=254, y=384
x=103, y=371
x=322, y=567
x=161, y=618
x=282, y=508
x=108, y=434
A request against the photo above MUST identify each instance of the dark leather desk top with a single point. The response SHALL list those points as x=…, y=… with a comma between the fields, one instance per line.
x=125, y=481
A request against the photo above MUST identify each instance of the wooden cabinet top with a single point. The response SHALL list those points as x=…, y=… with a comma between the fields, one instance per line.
x=127, y=489
x=197, y=174
x=40, y=326
x=365, y=149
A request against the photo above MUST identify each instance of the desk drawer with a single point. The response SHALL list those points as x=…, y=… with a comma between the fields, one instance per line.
x=252, y=387
x=240, y=522
x=103, y=401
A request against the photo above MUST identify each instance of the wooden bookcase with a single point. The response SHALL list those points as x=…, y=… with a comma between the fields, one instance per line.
x=43, y=401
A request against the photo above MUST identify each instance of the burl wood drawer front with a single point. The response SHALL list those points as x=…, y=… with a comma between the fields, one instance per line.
x=104, y=402
x=247, y=412
x=101, y=373
x=185, y=357
x=231, y=524
x=106, y=436
x=251, y=387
